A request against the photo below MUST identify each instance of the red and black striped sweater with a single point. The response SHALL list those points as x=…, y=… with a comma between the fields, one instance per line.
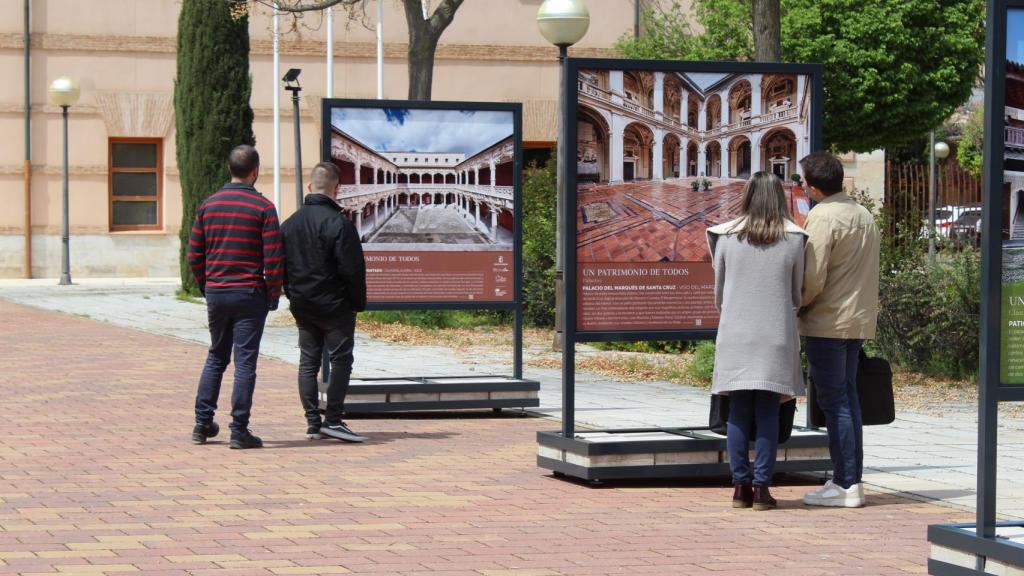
x=236, y=243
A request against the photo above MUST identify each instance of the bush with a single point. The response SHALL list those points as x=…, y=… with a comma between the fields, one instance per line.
x=928, y=318
x=440, y=318
x=539, y=245
x=703, y=366
x=653, y=346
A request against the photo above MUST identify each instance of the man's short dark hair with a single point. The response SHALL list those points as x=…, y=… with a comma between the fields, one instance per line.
x=823, y=171
x=324, y=178
x=243, y=160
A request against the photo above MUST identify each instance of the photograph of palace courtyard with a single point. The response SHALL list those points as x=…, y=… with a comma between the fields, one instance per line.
x=420, y=179
x=636, y=129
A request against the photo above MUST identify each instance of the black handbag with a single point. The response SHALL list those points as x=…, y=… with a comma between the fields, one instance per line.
x=719, y=416
x=874, y=389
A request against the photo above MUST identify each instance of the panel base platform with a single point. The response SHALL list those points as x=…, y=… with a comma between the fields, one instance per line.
x=441, y=393
x=956, y=550
x=645, y=453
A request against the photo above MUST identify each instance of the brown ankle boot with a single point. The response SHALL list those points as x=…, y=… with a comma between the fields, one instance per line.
x=742, y=496
x=763, y=498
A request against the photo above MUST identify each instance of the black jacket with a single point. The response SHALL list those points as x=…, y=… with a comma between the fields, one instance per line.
x=325, y=273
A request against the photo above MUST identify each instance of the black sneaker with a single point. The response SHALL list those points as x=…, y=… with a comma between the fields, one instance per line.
x=313, y=432
x=243, y=440
x=202, y=432
x=341, y=431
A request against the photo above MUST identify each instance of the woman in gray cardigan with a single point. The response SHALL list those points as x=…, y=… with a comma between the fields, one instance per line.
x=759, y=266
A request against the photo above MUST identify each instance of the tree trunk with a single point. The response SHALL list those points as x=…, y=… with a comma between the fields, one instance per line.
x=767, y=27
x=423, y=37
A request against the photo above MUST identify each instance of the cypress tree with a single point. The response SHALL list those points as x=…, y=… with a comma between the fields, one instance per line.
x=211, y=105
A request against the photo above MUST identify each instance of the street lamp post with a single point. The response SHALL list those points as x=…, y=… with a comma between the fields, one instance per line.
x=563, y=23
x=291, y=84
x=938, y=150
x=64, y=93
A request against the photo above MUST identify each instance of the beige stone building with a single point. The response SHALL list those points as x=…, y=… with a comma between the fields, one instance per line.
x=125, y=207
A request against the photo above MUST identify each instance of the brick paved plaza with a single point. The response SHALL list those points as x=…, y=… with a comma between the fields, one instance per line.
x=97, y=475
x=649, y=221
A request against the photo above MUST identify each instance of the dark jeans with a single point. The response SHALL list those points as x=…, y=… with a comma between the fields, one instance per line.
x=750, y=409
x=236, y=323
x=833, y=363
x=338, y=335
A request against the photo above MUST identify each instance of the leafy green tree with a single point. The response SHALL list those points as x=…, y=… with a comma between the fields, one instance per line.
x=968, y=153
x=211, y=105
x=669, y=36
x=893, y=70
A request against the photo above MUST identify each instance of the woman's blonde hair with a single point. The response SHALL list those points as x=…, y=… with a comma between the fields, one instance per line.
x=764, y=210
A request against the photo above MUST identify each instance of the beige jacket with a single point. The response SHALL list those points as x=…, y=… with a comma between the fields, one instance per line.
x=840, y=293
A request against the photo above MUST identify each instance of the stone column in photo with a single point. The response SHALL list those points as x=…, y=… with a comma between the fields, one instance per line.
x=359, y=222
x=374, y=180
x=684, y=107
x=376, y=216
x=494, y=175
x=755, y=100
x=359, y=168
x=702, y=118
x=494, y=224
x=723, y=144
x=702, y=159
x=658, y=156
x=616, y=149
x=684, y=144
x=476, y=175
x=659, y=96
x=615, y=85
x=755, y=153
x=476, y=219
x=724, y=98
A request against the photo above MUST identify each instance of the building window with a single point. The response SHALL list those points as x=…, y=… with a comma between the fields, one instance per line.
x=136, y=184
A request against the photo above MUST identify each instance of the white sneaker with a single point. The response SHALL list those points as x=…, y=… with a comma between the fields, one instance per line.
x=832, y=494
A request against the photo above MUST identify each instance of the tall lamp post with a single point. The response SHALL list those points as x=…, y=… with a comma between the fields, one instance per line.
x=291, y=84
x=64, y=93
x=938, y=150
x=562, y=23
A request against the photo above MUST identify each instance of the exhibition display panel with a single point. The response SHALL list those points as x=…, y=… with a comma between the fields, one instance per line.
x=434, y=191
x=658, y=152
x=988, y=547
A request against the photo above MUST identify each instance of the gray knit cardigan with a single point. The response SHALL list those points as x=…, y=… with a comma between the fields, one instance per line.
x=757, y=291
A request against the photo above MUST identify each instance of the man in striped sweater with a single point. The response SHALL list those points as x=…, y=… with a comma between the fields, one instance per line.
x=237, y=258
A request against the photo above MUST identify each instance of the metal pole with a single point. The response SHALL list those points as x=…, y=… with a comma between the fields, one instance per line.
x=65, y=267
x=380, y=49
x=565, y=314
x=277, y=111
x=563, y=52
x=28, y=145
x=298, y=150
x=330, y=53
x=931, y=198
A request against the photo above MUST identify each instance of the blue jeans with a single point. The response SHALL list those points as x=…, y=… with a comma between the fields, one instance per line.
x=833, y=363
x=749, y=409
x=236, y=321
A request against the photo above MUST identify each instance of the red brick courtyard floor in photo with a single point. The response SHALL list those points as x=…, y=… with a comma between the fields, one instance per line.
x=97, y=476
x=647, y=221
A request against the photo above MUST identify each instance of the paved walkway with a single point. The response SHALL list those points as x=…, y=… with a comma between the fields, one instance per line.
x=929, y=455
x=97, y=477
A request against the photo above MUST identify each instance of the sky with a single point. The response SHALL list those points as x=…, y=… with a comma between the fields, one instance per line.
x=1015, y=35
x=704, y=79
x=419, y=130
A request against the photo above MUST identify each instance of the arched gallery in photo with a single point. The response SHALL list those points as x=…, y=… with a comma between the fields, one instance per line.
x=662, y=156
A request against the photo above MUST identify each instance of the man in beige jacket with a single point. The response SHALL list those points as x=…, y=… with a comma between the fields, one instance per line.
x=838, y=312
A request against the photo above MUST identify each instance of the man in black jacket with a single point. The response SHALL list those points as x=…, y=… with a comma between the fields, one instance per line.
x=325, y=280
